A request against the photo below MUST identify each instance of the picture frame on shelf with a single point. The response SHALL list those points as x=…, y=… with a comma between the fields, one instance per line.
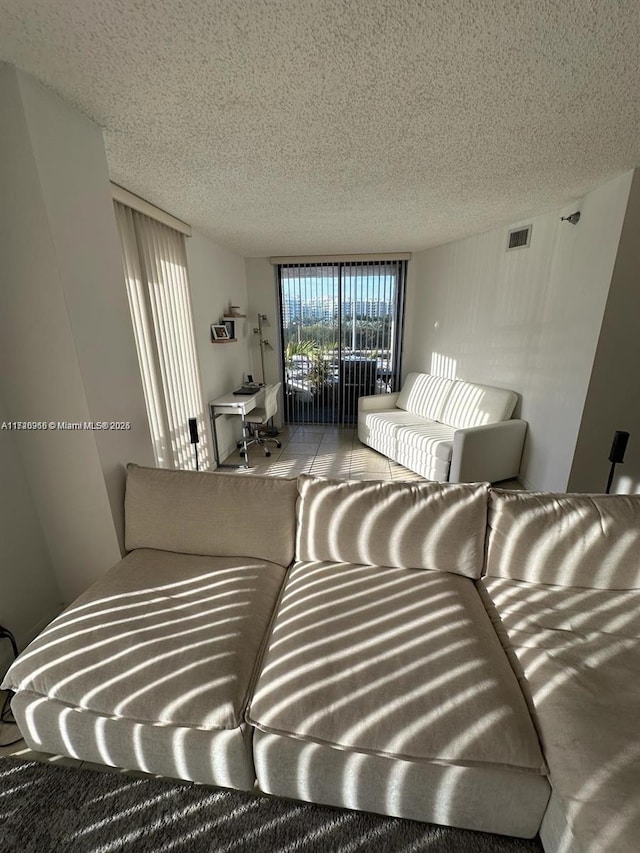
x=219, y=332
x=231, y=327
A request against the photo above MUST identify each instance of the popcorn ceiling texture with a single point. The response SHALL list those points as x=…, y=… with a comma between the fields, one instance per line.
x=319, y=126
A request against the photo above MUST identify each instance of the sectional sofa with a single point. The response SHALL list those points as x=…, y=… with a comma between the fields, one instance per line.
x=443, y=652
x=446, y=429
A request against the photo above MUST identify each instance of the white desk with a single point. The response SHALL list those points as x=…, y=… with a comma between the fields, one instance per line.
x=233, y=404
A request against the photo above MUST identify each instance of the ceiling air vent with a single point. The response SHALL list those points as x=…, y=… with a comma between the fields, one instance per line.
x=520, y=238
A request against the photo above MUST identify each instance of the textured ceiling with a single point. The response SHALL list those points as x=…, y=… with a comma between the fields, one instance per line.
x=320, y=126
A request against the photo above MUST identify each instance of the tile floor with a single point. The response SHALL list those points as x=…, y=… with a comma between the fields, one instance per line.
x=326, y=451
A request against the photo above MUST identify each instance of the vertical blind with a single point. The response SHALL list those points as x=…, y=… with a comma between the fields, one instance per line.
x=342, y=325
x=155, y=267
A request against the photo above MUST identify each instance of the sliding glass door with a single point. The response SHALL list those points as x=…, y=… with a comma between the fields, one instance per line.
x=341, y=335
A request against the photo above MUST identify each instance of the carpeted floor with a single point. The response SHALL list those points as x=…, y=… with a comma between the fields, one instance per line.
x=47, y=808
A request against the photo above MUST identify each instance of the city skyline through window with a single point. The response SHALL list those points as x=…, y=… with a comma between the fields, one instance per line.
x=341, y=334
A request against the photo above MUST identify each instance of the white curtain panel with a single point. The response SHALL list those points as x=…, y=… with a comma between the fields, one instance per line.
x=155, y=267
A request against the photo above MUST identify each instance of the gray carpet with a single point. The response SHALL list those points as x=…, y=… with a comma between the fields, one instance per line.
x=47, y=808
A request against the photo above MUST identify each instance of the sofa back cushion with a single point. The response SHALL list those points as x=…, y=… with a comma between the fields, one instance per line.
x=573, y=540
x=220, y=515
x=469, y=405
x=412, y=526
x=424, y=395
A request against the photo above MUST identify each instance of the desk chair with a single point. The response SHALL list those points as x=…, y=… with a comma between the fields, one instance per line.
x=259, y=417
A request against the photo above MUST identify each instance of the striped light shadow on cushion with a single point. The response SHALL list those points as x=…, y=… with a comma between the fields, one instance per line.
x=566, y=539
x=161, y=638
x=424, y=394
x=424, y=526
x=393, y=662
x=469, y=405
x=577, y=654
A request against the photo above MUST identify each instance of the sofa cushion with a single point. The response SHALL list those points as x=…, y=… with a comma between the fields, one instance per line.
x=161, y=638
x=409, y=525
x=392, y=662
x=595, y=541
x=429, y=467
x=469, y=405
x=428, y=439
x=208, y=756
x=193, y=512
x=578, y=654
x=388, y=422
x=424, y=395
x=487, y=799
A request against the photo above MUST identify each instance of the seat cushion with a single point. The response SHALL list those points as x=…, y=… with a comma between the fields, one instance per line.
x=409, y=525
x=427, y=439
x=161, y=638
x=487, y=799
x=577, y=651
x=392, y=662
x=429, y=467
x=469, y=405
x=388, y=421
x=424, y=394
x=214, y=514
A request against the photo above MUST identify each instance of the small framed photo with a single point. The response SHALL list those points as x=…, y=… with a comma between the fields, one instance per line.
x=231, y=327
x=219, y=332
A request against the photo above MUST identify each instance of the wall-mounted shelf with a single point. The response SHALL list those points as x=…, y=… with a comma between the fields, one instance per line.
x=234, y=316
x=226, y=341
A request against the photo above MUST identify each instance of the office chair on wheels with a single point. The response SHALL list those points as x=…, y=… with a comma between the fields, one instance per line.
x=260, y=416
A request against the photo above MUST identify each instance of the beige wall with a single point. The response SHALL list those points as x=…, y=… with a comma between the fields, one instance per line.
x=217, y=279
x=525, y=319
x=65, y=334
x=263, y=299
x=29, y=595
x=613, y=401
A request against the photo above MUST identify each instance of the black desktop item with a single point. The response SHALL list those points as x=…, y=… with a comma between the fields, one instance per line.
x=194, y=438
x=616, y=454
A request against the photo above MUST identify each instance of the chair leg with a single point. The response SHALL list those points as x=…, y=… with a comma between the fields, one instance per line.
x=256, y=438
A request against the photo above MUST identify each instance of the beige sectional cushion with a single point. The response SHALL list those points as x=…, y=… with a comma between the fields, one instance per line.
x=424, y=394
x=487, y=799
x=392, y=662
x=568, y=539
x=578, y=652
x=469, y=405
x=409, y=525
x=209, y=756
x=222, y=515
x=161, y=638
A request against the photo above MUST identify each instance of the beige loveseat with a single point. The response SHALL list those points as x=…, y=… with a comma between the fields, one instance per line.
x=394, y=647
x=446, y=429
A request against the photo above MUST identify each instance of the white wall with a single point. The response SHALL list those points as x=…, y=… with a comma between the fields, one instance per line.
x=217, y=279
x=29, y=596
x=65, y=334
x=613, y=401
x=525, y=319
x=263, y=299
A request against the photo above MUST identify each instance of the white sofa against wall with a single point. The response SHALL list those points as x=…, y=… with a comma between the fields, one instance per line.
x=446, y=429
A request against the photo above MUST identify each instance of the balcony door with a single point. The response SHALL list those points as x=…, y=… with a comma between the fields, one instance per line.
x=341, y=336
